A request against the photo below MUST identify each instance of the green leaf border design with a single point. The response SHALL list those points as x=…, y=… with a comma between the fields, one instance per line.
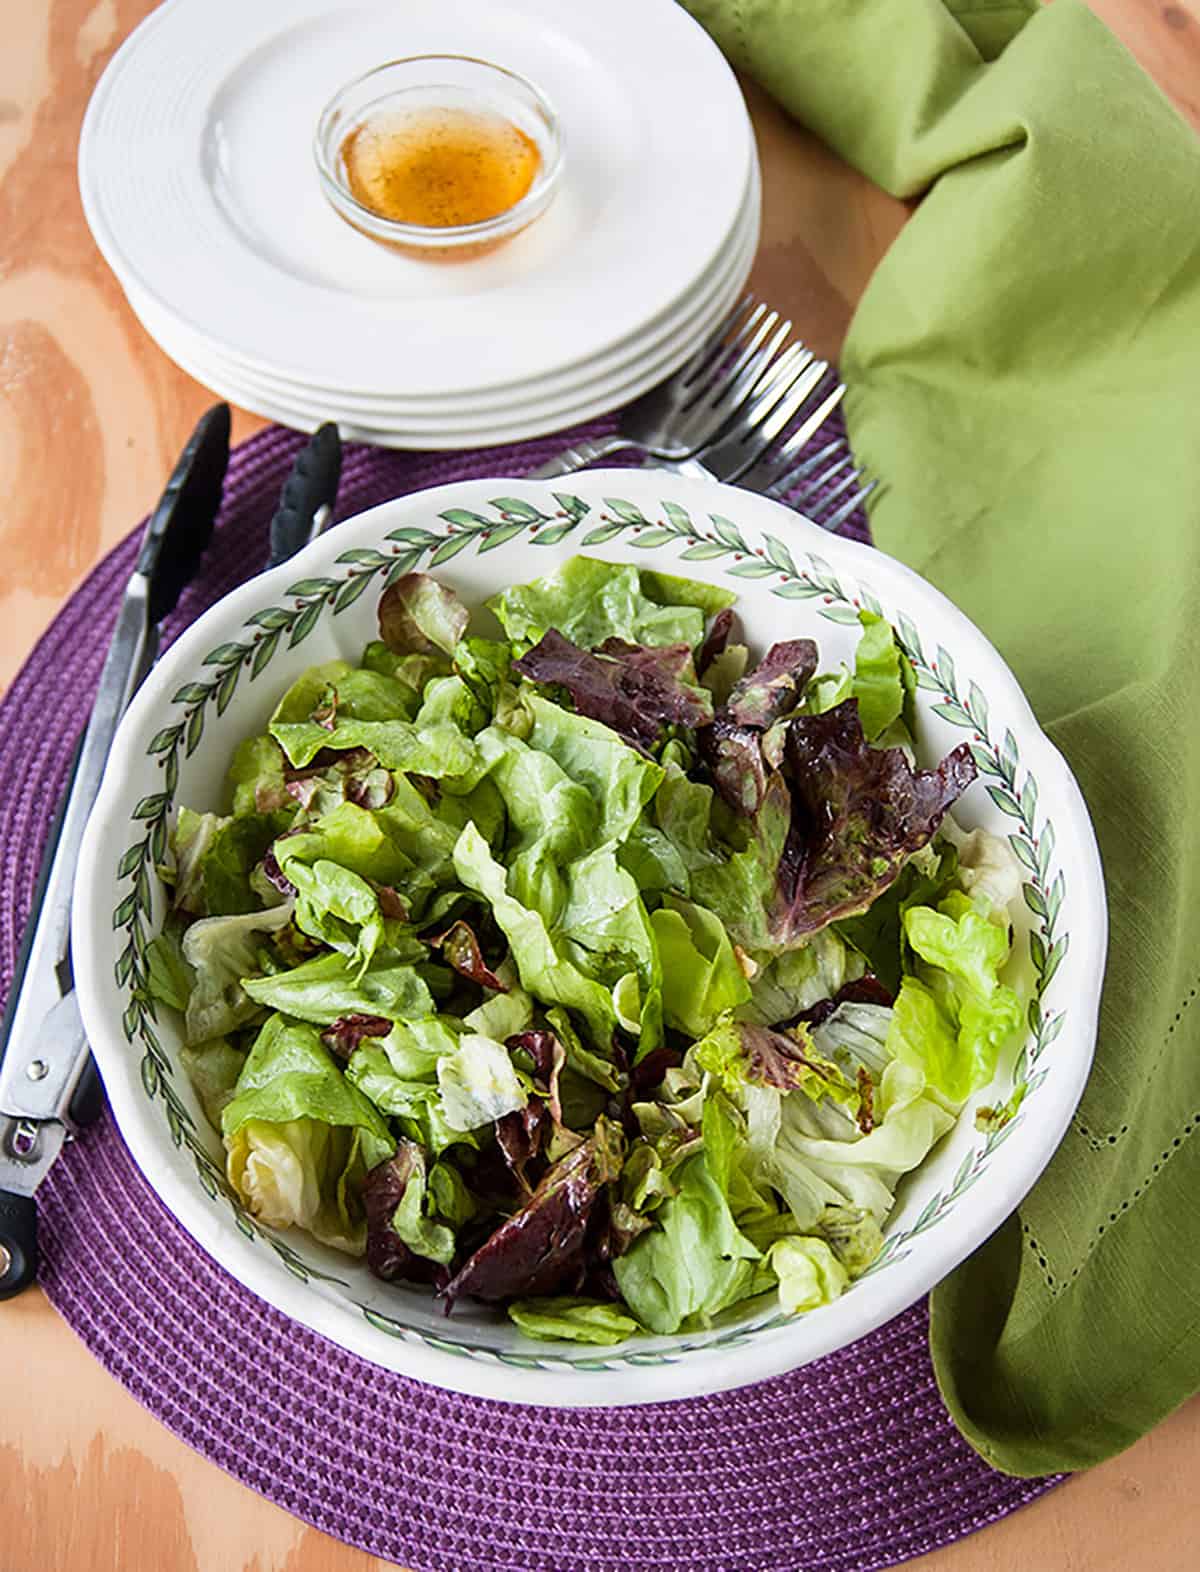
x=1013, y=790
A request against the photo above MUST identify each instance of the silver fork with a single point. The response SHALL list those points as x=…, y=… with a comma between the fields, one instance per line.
x=746, y=443
x=691, y=408
x=802, y=483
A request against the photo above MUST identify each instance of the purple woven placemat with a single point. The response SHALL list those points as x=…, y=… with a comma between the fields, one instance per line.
x=845, y=1466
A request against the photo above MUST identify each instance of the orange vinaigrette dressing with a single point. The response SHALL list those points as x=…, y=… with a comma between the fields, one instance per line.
x=439, y=168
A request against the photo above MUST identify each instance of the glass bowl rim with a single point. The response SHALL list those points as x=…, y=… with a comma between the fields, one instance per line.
x=431, y=236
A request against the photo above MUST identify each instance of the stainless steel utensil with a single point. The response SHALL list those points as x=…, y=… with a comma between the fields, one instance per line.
x=675, y=419
x=803, y=484
x=748, y=440
x=48, y=1086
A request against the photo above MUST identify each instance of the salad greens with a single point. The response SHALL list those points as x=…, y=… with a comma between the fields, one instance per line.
x=594, y=970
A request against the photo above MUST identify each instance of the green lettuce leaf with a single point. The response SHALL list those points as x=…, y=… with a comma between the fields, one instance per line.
x=169, y=978
x=301, y=1173
x=954, y=1018
x=878, y=933
x=411, y=671
x=618, y=779
x=453, y=702
x=552, y=819
x=502, y=1015
x=414, y=1046
x=590, y=601
x=356, y=708
x=335, y=906
x=414, y=1103
x=671, y=590
x=328, y=987
x=191, y=837
x=877, y=684
x=579, y=1059
x=794, y=981
x=484, y=664
x=449, y=1196
x=289, y=1074
x=544, y=970
x=437, y=750
x=255, y=782
x=213, y=1069
x=300, y=1139
x=478, y=1083
x=809, y=1273
x=693, y=1263
x=701, y=975
x=417, y=615
x=988, y=872
x=221, y=952
x=413, y=1219
x=855, y=1037
x=355, y=838
x=821, y=1160
x=828, y=689
x=605, y=931
x=572, y=1320
x=425, y=833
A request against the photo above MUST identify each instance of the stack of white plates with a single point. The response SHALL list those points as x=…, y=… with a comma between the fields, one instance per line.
x=199, y=184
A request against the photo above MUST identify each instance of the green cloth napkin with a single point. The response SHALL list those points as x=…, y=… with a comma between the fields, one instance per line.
x=1025, y=374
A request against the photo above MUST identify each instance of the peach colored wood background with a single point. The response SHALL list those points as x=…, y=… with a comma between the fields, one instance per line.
x=91, y=418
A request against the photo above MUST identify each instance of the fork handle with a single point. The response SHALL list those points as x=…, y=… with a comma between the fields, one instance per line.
x=580, y=456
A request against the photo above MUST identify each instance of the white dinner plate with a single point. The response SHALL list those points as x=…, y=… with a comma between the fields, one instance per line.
x=198, y=182
x=607, y=377
x=504, y=426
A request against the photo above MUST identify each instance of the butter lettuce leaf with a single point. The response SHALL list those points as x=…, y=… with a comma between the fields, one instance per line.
x=330, y=986
x=618, y=779
x=809, y=1273
x=878, y=682
x=952, y=1019
x=418, y=616
x=300, y=1138
x=545, y=971
x=478, y=1083
x=573, y=1320
x=336, y=906
x=589, y=601
x=221, y=951
x=694, y=1262
x=701, y=977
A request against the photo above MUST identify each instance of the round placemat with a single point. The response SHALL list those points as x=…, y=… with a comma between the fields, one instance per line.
x=847, y=1465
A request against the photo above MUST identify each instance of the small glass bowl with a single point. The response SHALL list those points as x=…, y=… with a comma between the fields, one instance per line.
x=434, y=83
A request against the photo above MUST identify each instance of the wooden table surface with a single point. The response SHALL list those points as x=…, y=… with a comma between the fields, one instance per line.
x=92, y=415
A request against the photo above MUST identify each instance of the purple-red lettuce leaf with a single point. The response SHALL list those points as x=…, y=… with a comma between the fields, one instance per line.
x=519, y=1135
x=775, y=685
x=734, y=758
x=723, y=627
x=635, y=692
x=343, y=1036
x=547, y=1055
x=536, y=1134
x=461, y=950
x=540, y=1248
x=858, y=814
x=671, y=662
x=384, y=1189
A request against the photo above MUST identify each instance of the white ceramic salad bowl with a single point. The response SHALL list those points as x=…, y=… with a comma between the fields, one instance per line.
x=218, y=684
